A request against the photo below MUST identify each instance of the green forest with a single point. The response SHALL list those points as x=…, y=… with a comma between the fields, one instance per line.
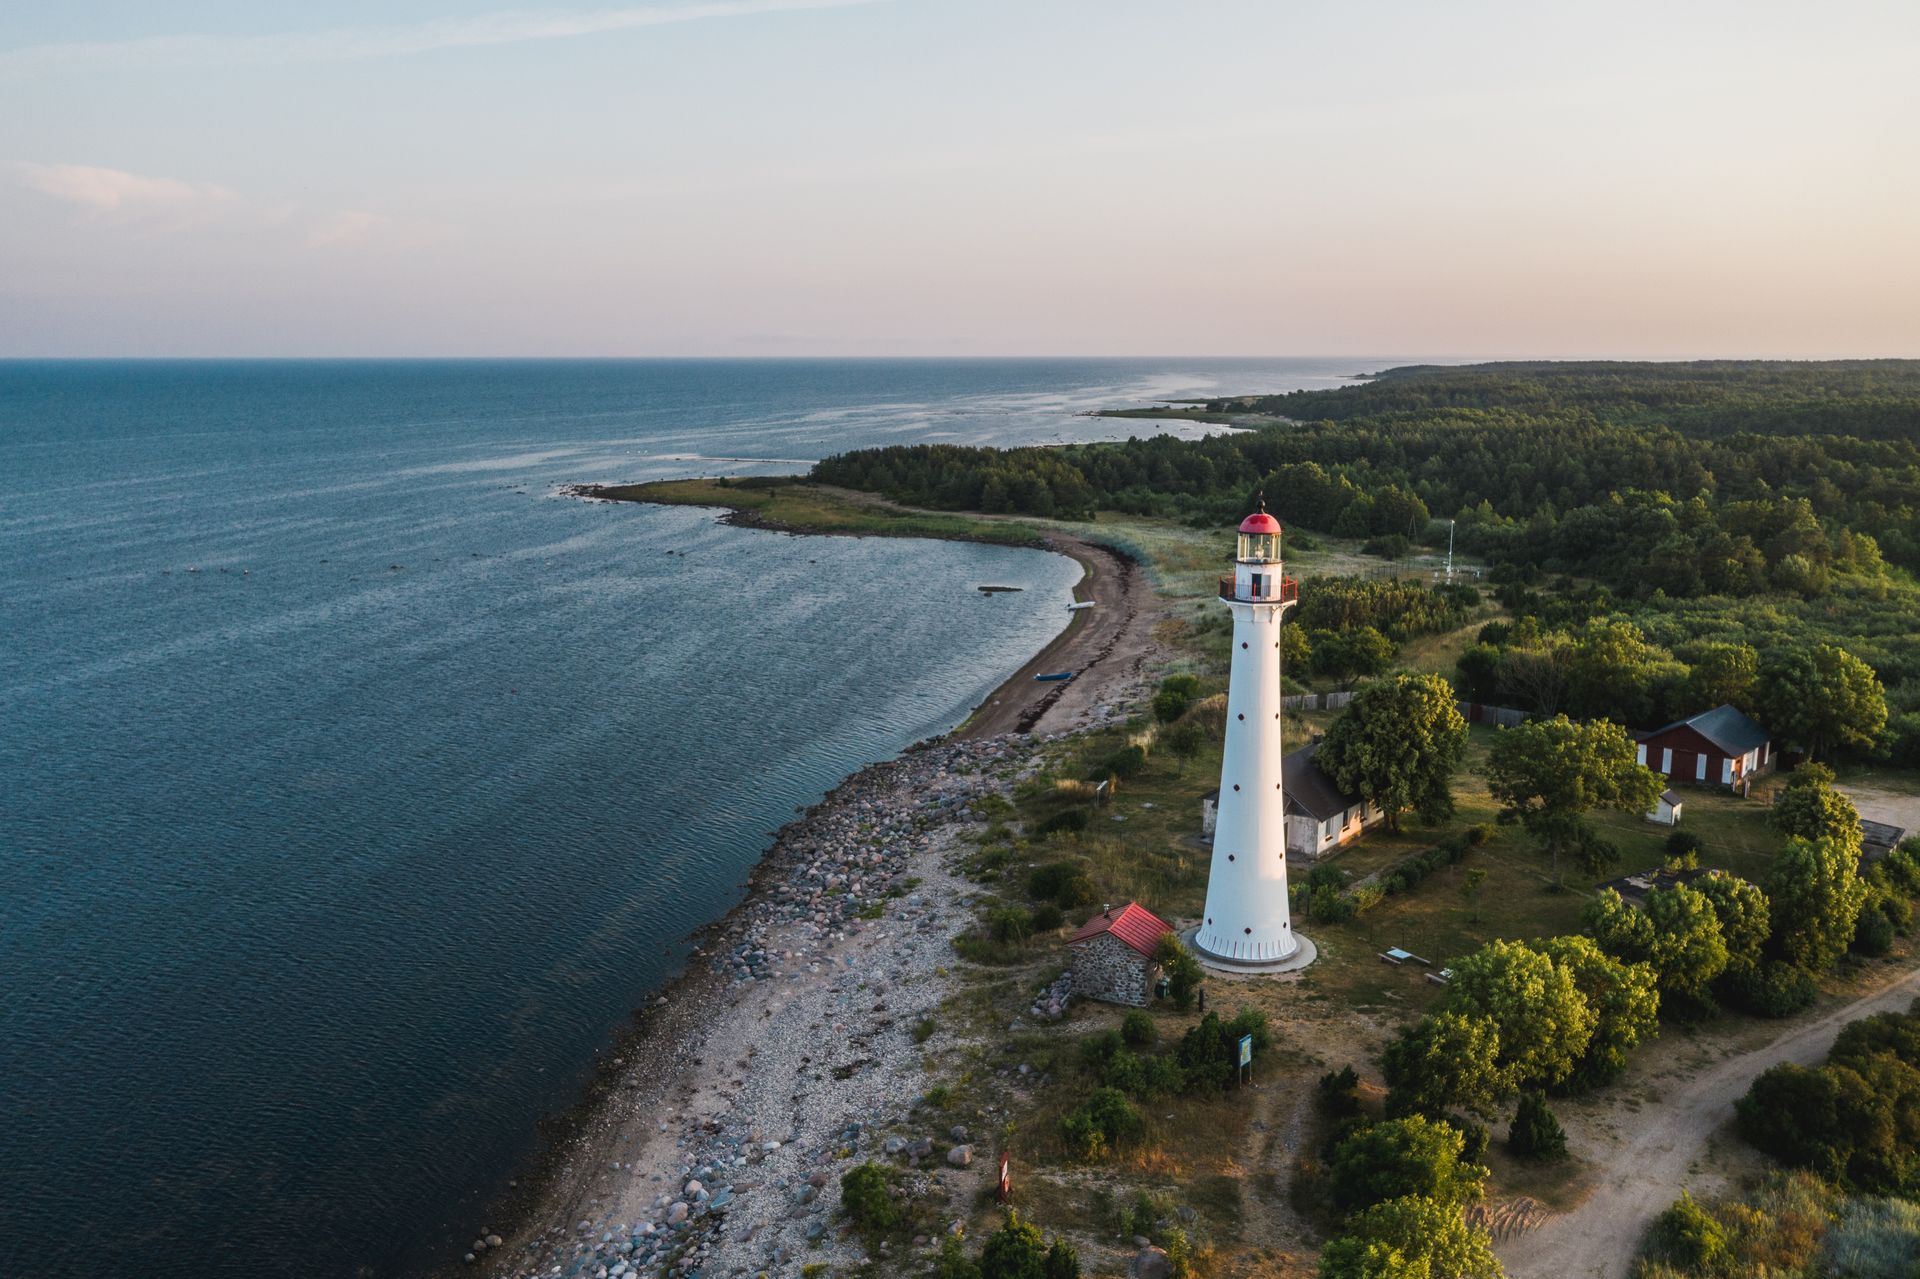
x=1736, y=514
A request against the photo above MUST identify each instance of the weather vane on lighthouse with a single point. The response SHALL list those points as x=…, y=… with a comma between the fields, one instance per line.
x=1247, y=923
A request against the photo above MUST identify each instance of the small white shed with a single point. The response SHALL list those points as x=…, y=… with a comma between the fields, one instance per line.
x=1666, y=809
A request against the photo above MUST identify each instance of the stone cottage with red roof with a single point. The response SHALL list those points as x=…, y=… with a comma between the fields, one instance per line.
x=1113, y=955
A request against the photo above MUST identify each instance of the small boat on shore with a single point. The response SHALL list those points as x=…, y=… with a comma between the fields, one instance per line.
x=1055, y=677
x=1079, y=605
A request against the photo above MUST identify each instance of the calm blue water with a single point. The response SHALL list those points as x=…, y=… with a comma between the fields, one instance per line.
x=353, y=786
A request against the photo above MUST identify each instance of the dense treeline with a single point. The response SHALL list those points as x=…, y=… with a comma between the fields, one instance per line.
x=1760, y=503
x=1854, y=1120
x=1866, y=398
x=1810, y=449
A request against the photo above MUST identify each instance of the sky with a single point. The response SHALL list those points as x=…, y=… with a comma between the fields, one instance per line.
x=960, y=177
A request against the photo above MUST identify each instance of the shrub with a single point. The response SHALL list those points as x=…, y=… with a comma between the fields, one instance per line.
x=1182, y=685
x=1179, y=1253
x=1474, y=1138
x=1067, y=819
x=1184, y=974
x=1098, y=1049
x=1681, y=844
x=923, y=1030
x=1010, y=924
x=1015, y=1251
x=953, y=1262
x=1143, y=1076
x=1047, y=918
x=1104, y=1120
x=866, y=1197
x=1686, y=1237
x=1065, y=884
x=1392, y=546
x=1873, y=934
x=1137, y=1029
x=1209, y=1054
x=1902, y=867
x=1128, y=761
x=1481, y=833
x=1772, y=989
x=1338, y=1094
x=1535, y=1133
x=1063, y=1261
x=1142, y=1217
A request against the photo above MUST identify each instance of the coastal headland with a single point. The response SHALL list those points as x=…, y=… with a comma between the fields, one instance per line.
x=715, y=1130
x=1102, y=647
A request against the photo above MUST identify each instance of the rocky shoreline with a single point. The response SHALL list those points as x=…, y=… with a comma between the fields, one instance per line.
x=789, y=1050
x=794, y=1045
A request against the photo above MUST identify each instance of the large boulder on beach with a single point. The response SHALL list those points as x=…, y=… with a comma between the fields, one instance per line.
x=677, y=1213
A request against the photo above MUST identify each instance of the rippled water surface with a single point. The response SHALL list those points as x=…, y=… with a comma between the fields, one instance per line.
x=353, y=786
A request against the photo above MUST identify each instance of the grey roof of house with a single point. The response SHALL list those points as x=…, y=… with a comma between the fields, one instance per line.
x=1635, y=887
x=1311, y=790
x=1725, y=726
x=1881, y=833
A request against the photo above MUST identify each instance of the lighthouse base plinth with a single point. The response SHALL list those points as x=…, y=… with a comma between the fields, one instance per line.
x=1305, y=953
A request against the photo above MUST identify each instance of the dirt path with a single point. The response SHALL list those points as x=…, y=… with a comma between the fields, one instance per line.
x=1106, y=648
x=1880, y=805
x=1651, y=1158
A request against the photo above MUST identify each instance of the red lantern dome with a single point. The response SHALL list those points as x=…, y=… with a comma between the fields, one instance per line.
x=1259, y=522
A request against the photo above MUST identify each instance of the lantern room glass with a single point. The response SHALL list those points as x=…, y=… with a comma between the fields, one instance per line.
x=1259, y=548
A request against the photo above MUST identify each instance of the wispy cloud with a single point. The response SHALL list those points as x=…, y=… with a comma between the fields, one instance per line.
x=122, y=196
x=150, y=206
x=384, y=41
x=347, y=227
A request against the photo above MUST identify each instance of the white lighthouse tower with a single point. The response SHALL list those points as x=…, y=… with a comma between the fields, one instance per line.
x=1247, y=922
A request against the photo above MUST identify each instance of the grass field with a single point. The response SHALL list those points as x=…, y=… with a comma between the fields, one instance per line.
x=797, y=507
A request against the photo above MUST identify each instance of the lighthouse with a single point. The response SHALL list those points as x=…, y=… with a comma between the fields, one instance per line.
x=1247, y=922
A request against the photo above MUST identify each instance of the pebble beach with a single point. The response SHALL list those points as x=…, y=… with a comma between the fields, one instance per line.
x=785, y=1055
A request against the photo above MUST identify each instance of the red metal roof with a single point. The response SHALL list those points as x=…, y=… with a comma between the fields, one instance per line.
x=1133, y=924
x=1259, y=522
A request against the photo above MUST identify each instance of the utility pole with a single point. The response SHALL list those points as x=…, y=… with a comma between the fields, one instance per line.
x=1450, y=524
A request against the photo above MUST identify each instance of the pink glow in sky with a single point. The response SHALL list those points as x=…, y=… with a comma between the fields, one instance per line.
x=949, y=177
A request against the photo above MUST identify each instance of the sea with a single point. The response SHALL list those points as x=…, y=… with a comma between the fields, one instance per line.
x=356, y=785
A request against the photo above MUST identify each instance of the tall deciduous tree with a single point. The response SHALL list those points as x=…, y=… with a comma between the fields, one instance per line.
x=1398, y=744
x=1445, y=1062
x=1624, y=1000
x=1413, y=1236
x=1745, y=918
x=1723, y=675
x=1619, y=929
x=1548, y=773
x=1822, y=697
x=1688, y=950
x=1615, y=672
x=1543, y=1021
x=1816, y=893
x=1810, y=808
x=1410, y=1156
x=1536, y=674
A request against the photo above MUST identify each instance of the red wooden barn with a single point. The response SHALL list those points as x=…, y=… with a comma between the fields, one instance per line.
x=1720, y=747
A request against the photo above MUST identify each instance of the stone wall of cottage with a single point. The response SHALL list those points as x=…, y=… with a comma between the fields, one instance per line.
x=1108, y=969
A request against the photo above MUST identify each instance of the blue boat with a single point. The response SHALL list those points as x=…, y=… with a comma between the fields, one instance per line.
x=1057, y=675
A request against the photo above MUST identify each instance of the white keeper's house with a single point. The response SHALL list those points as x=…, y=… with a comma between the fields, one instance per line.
x=1320, y=816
